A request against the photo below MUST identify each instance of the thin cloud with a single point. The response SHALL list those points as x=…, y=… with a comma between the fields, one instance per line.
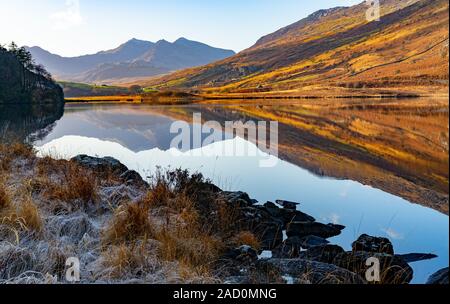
x=69, y=17
x=393, y=234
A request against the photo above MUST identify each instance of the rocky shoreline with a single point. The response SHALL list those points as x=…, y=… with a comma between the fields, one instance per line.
x=127, y=235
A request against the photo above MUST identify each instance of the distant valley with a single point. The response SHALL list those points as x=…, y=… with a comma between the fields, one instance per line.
x=132, y=60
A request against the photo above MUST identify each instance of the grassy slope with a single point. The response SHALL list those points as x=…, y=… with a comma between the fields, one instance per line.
x=407, y=48
x=74, y=89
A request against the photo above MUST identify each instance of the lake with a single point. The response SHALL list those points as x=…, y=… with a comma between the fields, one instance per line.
x=377, y=167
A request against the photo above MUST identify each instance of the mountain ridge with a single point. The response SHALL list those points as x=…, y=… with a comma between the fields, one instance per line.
x=338, y=47
x=134, y=58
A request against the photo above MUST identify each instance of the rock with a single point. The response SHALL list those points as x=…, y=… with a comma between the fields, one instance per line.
x=324, y=253
x=416, y=257
x=286, y=215
x=101, y=164
x=393, y=270
x=439, y=278
x=288, y=204
x=303, y=229
x=270, y=234
x=311, y=272
x=242, y=254
x=237, y=199
x=369, y=243
x=131, y=177
x=289, y=249
x=311, y=241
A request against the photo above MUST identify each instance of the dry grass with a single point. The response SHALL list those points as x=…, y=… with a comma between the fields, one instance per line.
x=66, y=181
x=5, y=199
x=123, y=259
x=246, y=238
x=10, y=152
x=130, y=222
x=22, y=216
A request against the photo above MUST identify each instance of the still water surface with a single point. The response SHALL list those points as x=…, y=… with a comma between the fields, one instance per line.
x=139, y=136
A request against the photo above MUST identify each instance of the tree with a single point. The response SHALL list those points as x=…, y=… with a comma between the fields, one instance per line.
x=135, y=89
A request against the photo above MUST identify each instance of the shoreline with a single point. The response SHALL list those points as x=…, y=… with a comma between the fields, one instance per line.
x=178, y=222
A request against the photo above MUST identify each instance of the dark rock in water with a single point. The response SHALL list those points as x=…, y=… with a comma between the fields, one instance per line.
x=131, y=177
x=288, y=204
x=439, y=278
x=323, y=253
x=311, y=272
x=303, y=229
x=101, y=165
x=393, y=270
x=416, y=257
x=286, y=215
x=270, y=234
x=369, y=243
x=311, y=241
x=237, y=199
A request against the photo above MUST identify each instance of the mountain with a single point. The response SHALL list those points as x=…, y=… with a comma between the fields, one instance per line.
x=133, y=59
x=338, y=47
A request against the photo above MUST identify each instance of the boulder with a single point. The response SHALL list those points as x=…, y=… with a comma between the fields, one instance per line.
x=270, y=234
x=416, y=257
x=323, y=253
x=242, y=254
x=369, y=243
x=311, y=241
x=287, y=204
x=310, y=272
x=286, y=215
x=393, y=270
x=101, y=165
x=131, y=177
x=237, y=199
x=439, y=278
x=303, y=229
x=289, y=249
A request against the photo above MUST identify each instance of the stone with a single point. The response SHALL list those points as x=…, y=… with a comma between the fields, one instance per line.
x=287, y=204
x=439, y=278
x=312, y=240
x=132, y=177
x=416, y=257
x=311, y=272
x=303, y=229
x=270, y=234
x=393, y=270
x=323, y=253
x=101, y=164
x=286, y=215
x=289, y=249
x=369, y=243
x=243, y=253
x=237, y=199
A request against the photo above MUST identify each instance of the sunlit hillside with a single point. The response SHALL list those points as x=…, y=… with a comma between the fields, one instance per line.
x=336, y=49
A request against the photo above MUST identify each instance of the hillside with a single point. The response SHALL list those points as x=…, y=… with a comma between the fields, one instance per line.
x=336, y=50
x=23, y=83
x=133, y=59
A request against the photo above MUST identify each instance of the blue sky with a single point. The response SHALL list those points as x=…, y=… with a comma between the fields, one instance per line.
x=76, y=27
